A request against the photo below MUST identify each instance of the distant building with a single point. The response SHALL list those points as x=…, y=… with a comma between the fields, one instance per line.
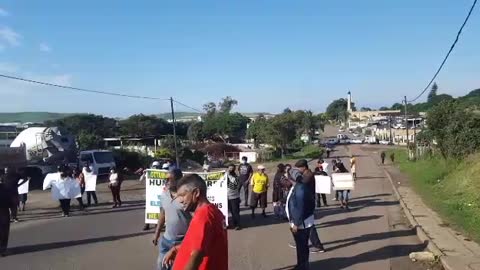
x=358, y=118
x=8, y=133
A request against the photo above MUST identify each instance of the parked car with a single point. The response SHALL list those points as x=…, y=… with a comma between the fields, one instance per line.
x=356, y=141
x=384, y=142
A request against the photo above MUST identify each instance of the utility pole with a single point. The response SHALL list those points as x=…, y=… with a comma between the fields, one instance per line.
x=174, y=123
x=406, y=123
x=390, y=127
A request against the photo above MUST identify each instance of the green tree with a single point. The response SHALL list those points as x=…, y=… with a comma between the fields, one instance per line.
x=86, y=141
x=227, y=104
x=365, y=109
x=433, y=93
x=257, y=130
x=337, y=110
x=141, y=125
x=195, y=132
x=384, y=108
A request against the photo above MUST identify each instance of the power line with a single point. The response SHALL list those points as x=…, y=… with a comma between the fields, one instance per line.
x=449, y=52
x=80, y=89
x=184, y=105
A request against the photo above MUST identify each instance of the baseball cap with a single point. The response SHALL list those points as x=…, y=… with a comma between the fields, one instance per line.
x=261, y=167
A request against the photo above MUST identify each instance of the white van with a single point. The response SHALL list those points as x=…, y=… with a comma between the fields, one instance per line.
x=100, y=160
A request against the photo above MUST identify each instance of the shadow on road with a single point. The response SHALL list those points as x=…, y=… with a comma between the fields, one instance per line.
x=369, y=237
x=347, y=221
x=355, y=205
x=259, y=221
x=384, y=253
x=42, y=247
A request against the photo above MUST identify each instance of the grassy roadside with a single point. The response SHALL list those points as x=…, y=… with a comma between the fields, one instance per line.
x=450, y=187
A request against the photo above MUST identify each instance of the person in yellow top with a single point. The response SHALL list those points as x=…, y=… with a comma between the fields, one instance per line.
x=353, y=166
x=259, y=183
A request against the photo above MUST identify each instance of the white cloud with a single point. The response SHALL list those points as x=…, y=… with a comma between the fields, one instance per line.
x=3, y=12
x=8, y=37
x=44, y=47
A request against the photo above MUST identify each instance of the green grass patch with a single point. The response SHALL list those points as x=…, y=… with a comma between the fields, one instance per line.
x=309, y=151
x=450, y=187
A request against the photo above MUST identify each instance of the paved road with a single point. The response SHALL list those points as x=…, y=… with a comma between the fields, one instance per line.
x=373, y=235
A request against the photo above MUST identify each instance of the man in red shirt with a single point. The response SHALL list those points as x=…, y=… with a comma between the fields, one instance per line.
x=205, y=245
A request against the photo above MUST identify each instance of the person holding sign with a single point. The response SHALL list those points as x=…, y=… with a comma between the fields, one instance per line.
x=64, y=188
x=319, y=171
x=23, y=191
x=173, y=217
x=205, y=245
x=90, y=184
x=260, y=186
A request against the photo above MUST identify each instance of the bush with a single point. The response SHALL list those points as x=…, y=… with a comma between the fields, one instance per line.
x=309, y=151
x=197, y=156
x=163, y=153
x=131, y=160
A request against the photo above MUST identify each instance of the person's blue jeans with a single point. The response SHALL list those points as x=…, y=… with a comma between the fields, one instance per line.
x=164, y=247
x=344, y=195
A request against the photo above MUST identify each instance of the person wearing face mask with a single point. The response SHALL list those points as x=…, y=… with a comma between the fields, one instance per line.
x=115, y=185
x=173, y=217
x=205, y=245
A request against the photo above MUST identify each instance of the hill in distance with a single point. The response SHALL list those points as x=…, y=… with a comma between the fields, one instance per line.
x=36, y=117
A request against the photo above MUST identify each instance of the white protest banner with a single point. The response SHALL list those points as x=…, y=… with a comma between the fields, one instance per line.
x=24, y=188
x=343, y=181
x=155, y=186
x=323, y=184
x=65, y=189
x=49, y=178
x=90, y=181
x=217, y=190
x=156, y=183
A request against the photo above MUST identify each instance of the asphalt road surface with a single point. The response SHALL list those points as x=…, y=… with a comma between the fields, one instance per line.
x=373, y=235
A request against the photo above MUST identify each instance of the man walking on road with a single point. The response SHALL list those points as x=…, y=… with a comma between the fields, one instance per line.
x=245, y=172
x=321, y=197
x=175, y=219
x=205, y=246
x=5, y=205
x=382, y=156
x=308, y=179
x=300, y=208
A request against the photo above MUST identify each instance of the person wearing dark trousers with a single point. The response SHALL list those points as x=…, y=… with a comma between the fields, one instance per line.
x=382, y=156
x=90, y=194
x=65, y=205
x=300, y=209
x=115, y=186
x=245, y=172
x=11, y=180
x=233, y=193
x=5, y=205
x=320, y=197
x=78, y=176
x=308, y=179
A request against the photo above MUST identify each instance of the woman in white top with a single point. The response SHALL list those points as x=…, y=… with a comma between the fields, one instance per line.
x=115, y=185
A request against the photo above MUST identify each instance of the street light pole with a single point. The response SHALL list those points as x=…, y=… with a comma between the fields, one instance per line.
x=406, y=122
x=177, y=158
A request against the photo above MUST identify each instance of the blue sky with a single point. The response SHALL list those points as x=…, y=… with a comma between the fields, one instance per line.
x=269, y=55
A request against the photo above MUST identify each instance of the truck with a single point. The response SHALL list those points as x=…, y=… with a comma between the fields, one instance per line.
x=40, y=150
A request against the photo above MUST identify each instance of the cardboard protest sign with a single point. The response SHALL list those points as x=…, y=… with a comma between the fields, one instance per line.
x=343, y=181
x=156, y=185
x=24, y=188
x=90, y=181
x=323, y=184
